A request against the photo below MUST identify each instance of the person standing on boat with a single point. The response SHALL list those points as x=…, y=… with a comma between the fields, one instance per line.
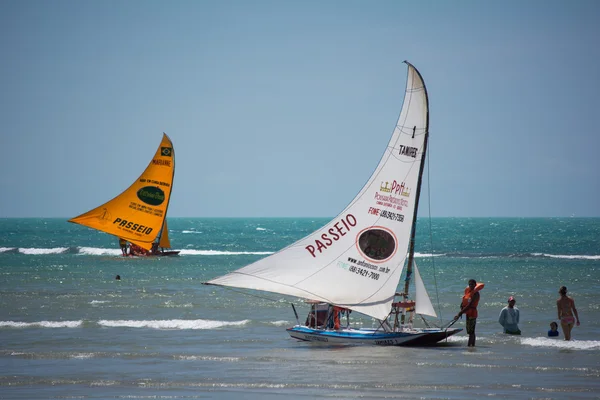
x=566, y=310
x=123, y=245
x=509, y=318
x=469, y=304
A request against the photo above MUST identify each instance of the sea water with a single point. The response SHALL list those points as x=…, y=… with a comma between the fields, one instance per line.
x=69, y=329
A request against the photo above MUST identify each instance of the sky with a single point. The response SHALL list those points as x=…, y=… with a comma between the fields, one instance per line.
x=283, y=108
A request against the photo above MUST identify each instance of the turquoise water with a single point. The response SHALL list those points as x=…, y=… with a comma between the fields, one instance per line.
x=68, y=329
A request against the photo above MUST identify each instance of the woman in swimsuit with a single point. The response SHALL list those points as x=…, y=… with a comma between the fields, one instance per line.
x=566, y=310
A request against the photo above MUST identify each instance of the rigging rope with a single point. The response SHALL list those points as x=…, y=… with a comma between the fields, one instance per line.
x=249, y=294
x=431, y=235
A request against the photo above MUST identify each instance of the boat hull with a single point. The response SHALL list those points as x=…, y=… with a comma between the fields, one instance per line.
x=161, y=254
x=416, y=337
x=168, y=253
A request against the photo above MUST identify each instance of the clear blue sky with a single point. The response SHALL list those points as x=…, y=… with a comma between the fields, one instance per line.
x=283, y=108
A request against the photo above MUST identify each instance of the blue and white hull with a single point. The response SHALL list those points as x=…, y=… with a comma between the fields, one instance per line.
x=412, y=337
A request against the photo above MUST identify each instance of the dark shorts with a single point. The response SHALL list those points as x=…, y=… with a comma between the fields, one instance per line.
x=471, y=322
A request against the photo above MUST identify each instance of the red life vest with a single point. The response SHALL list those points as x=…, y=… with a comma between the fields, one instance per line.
x=336, y=317
x=468, y=299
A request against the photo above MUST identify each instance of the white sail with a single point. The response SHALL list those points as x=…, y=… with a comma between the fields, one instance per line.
x=355, y=261
x=422, y=301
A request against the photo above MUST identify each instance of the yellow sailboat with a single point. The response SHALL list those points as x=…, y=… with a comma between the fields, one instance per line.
x=139, y=214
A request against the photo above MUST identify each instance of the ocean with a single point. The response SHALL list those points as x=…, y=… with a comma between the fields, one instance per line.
x=70, y=330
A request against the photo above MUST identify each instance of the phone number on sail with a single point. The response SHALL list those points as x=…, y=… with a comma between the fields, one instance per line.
x=364, y=272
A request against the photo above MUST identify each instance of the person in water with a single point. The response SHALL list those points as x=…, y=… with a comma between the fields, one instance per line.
x=553, y=329
x=123, y=245
x=509, y=318
x=469, y=304
x=567, y=313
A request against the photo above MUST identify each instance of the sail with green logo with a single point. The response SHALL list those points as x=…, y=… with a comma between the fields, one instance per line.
x=138, y=215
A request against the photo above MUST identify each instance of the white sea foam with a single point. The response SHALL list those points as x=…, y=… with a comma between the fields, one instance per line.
x=190, y=232
x=82, y=356
x=562, y=344
x=566, y=256
x=4, y=249
x=36, y=251
x=260, y=229
x=221, y=253
x=95, y=251
x=458, y=339
x=280, y=323
x=423, y=255
x=104, y=383
x=172, y=304
x=99, y=301
x=40, y=324
x=208, y=358
x=172, y=324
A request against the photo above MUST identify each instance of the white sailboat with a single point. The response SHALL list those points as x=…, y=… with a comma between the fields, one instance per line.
x=356, y=261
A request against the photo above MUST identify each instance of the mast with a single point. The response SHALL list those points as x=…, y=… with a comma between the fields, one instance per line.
x=411, y=247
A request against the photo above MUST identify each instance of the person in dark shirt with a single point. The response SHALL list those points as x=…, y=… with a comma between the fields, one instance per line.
x=553, y=329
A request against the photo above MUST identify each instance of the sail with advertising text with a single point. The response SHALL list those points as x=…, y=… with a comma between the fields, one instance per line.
x=356, y=260
x=139, y=213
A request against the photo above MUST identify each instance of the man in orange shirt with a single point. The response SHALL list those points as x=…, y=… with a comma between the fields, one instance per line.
x=468, y=307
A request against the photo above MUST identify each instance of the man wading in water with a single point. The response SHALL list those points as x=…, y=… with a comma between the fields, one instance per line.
x=469, y=304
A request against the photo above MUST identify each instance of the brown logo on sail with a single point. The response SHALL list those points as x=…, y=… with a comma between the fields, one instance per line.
x=104, y=216
x=377, y=243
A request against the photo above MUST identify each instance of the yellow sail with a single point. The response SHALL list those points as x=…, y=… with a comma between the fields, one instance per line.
x=137, y=215
x=164, y=241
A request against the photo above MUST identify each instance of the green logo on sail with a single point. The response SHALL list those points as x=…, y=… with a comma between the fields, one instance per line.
x=151, y=195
